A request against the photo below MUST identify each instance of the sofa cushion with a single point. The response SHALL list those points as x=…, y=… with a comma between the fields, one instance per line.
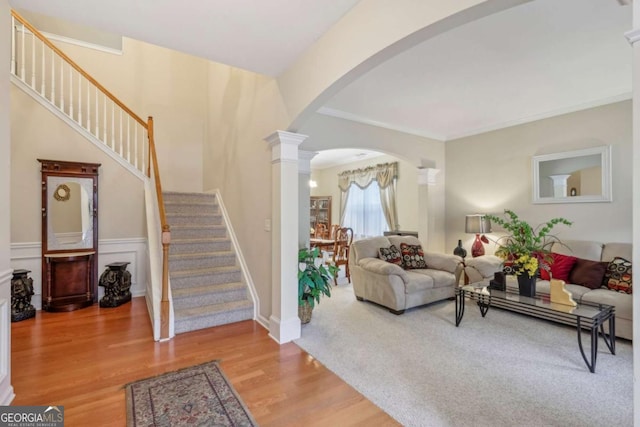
x=378, y=266
x=560, y=267
x=412, y=256
x=418, y=281
x=399, y=240
x=618, y=276
x=612, y=250
x=588, y=273
x=441, y=279
x=485, y=264
x=621, y=301
x=368, y=248
x=392, y=255
x=585, y=249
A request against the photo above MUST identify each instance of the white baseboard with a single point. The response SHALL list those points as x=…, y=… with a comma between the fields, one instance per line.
x=134, y=250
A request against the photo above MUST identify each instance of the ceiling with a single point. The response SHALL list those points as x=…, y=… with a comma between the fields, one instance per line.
x=536, y=60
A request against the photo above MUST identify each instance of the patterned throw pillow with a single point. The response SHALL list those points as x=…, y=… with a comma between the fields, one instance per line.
x=618, y=275
x=412, y=256
x=391, y=254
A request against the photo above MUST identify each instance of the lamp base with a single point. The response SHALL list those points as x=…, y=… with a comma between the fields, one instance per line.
x=477, y=249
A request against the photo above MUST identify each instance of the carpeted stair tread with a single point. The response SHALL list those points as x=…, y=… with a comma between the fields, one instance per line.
x=207, y=285
x=204, y=271
x=195, y=255
x=205, y=289
x=212, y=309
x=195, y=240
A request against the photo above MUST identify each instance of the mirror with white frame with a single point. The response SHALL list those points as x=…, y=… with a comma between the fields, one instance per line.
x=573, y=176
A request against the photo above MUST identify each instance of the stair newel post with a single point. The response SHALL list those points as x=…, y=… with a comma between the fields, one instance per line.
x=164, y=302
x=166, y=235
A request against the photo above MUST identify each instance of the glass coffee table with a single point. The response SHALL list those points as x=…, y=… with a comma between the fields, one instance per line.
x=588, y=316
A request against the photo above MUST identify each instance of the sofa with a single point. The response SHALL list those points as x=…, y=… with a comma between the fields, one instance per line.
x=584, y=270
x=398, y=286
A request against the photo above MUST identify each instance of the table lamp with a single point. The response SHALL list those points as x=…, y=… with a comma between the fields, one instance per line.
x=477, y=224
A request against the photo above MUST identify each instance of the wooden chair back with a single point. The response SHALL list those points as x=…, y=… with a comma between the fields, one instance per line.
x=341, y=247
x=321, y=231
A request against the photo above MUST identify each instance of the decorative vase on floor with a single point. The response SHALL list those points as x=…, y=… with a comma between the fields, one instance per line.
x=304, y=312
x=527, y=285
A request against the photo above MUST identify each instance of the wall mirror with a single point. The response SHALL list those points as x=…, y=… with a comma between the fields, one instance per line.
x=578, y=176
x=70, y=216
x=69, y=234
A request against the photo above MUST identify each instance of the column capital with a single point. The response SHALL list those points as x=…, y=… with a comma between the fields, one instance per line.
x=427, y=176
x=284, y=145
x=304, y=161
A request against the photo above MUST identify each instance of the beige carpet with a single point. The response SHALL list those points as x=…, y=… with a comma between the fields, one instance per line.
x=502, y=370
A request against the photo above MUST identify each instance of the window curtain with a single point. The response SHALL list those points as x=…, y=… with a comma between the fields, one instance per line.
x=386, y=175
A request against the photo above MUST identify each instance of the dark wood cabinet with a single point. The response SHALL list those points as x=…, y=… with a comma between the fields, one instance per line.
x=69, y=234
x=320, y=212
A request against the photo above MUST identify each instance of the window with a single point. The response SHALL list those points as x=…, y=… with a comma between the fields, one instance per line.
x=363, y=212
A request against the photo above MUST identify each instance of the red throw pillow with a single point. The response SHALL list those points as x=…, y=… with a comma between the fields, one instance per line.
x=561, y=266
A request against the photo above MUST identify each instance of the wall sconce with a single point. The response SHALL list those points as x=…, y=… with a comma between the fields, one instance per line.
x=312, y=184
x=477, y=224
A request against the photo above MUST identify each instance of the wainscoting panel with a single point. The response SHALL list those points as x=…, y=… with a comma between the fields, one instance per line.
x=28, y=257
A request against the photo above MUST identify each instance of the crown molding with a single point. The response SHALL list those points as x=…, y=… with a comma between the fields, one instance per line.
x=364, y=120
x=566, y=110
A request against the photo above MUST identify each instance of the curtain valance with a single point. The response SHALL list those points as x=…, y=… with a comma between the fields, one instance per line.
x=385, y=174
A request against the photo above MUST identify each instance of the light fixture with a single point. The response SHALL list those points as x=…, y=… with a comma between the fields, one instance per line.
x=312, y=184
x=477, y=224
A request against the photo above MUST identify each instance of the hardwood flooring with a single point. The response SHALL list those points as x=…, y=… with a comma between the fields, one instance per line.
x=83, y=359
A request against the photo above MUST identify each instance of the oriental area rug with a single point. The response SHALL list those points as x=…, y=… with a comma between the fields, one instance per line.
x=200, y=395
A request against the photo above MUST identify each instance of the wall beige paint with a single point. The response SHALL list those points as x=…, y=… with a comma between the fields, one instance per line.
x=492, y=172
x=414, y=151
x=243, y=109
x=37, y=134
x=168, y=85
x=406, y=189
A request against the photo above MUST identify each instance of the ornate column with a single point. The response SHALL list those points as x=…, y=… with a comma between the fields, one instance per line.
x=304, y=192
x=284, y=324
x=426, y=224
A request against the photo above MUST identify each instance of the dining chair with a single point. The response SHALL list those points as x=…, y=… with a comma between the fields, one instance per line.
x=341, y=247
x=321, y=231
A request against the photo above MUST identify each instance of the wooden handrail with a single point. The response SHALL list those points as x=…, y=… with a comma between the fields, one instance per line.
x=166, y=236
x=148, y=126
x=79, y=69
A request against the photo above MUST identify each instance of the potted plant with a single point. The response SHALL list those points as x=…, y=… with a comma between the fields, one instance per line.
x=314, y=281
x=526, y=248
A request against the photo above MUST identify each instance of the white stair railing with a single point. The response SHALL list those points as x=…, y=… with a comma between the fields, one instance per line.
x=43, y=69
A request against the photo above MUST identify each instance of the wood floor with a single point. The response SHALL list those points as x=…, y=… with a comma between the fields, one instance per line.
x=83, y=359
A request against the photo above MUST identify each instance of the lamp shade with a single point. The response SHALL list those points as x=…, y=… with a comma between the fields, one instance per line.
x=477, y=223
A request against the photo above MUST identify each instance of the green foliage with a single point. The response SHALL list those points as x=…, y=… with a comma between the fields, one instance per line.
x=523, y=239
x=314, y=280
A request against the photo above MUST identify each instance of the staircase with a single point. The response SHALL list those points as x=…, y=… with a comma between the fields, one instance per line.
x=206, y=283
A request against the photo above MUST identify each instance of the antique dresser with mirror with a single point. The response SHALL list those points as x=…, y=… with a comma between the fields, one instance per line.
x=69, y=234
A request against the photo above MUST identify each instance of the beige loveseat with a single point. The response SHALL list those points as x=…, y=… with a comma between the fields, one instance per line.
x=482, y=268
x=392, y=286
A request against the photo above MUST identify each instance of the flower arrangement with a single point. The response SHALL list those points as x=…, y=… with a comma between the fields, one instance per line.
x=526, y=264
x=526, y=247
